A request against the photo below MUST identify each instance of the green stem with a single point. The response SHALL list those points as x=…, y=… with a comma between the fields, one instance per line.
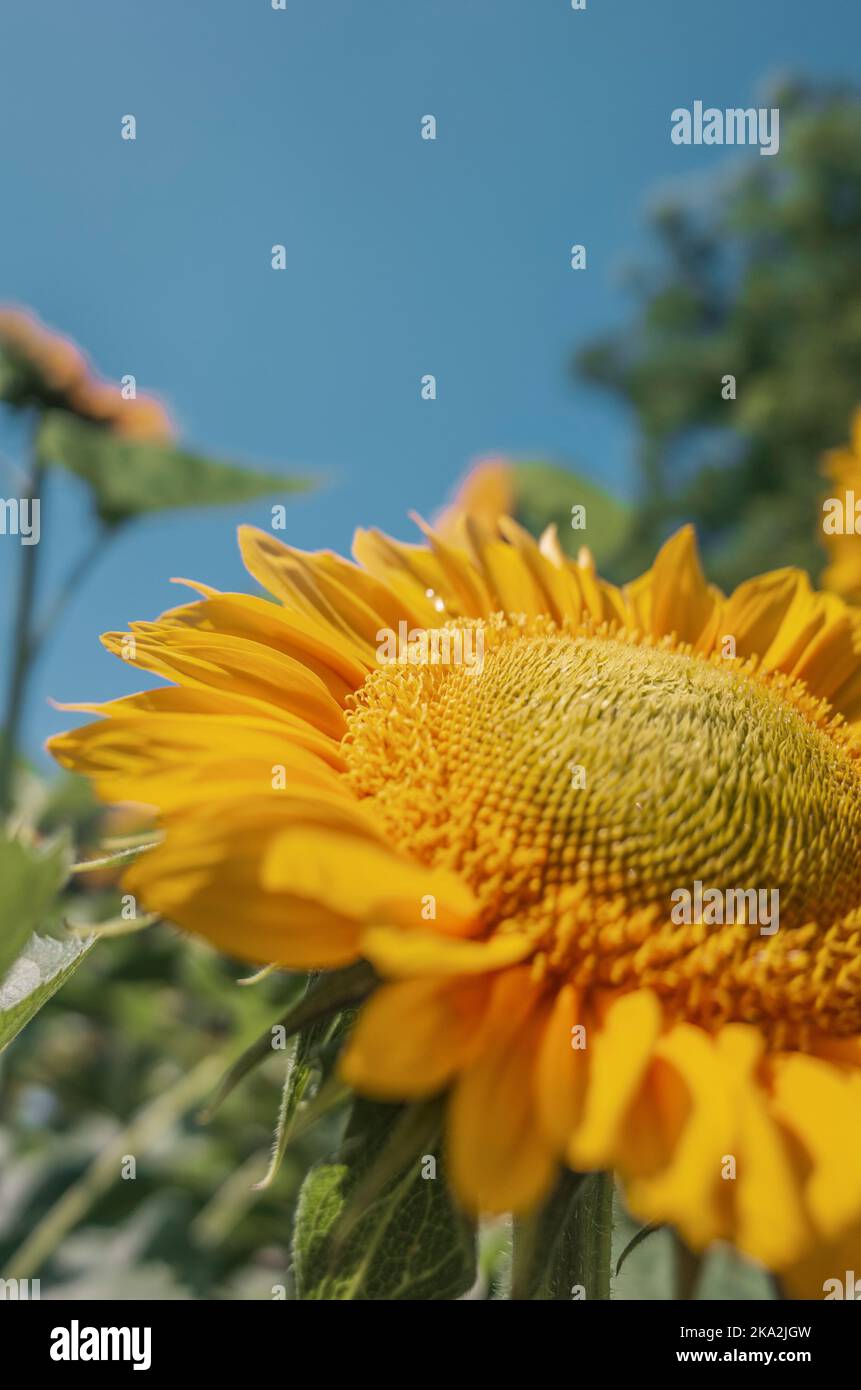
x=688, y=1267
x=21, y=646
x=563, y=1251
x=28, y=639
x=592, y=1237
x=78, y=571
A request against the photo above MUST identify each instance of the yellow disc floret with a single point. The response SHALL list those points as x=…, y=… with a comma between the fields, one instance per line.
x=577, y=777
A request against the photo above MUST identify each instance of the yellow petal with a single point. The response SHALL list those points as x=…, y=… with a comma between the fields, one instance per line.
x=755, y=611
x=558, y=590
x=412, y=1037
x=508, y=579
x=306, y=640
x=681, y=601
x=499, y=1159
x=561, y=1070
x=769, y=1218
x=820, y=1104
x=828, y=1270
x=411, y=571
x=486, y=494
x=301, y=584
x=688, y=1191
x=356, y=874
x=402, y=954
x=231, y=664
x=472, y=596
x=619, y=1050
x=205, y=876
x=170, y=761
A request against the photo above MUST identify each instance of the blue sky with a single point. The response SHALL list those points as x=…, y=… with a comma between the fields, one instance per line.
x=404, y=256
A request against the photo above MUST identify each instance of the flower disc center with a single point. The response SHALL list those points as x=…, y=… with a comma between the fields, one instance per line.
x=624, y=771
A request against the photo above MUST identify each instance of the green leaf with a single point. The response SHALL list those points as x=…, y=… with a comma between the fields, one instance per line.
x=546, y=493
x=32, y=966
x=42, y=967
x=129, y=477
x=324, y=996
x=29, y=882
x=414, y=1131
x=411, y=1243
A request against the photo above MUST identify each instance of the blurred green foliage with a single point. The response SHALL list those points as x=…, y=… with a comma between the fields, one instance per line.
x=109, y=1185
x=757, y=275
x=135, y=1021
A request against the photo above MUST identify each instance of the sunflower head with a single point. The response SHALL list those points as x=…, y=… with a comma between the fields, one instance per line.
x=500, y=814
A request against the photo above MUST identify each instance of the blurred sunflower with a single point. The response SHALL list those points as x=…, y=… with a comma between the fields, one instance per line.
x=501, y=840
x=487, y=492
x=841, y=522
x=46, y=369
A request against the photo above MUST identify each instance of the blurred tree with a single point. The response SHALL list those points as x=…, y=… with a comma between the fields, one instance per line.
x=759, y=277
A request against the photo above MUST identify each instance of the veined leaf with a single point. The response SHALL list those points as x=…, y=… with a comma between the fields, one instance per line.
x=411, y=1243
x=130, y=476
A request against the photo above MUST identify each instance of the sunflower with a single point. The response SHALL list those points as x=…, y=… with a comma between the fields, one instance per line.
x=500, y=820
x=50, y=370
x=841, y=519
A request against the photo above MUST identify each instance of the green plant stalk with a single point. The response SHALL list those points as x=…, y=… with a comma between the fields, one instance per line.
x=589, y=1238
x=22, y=653
x=79, y=571
x=563, y=1251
